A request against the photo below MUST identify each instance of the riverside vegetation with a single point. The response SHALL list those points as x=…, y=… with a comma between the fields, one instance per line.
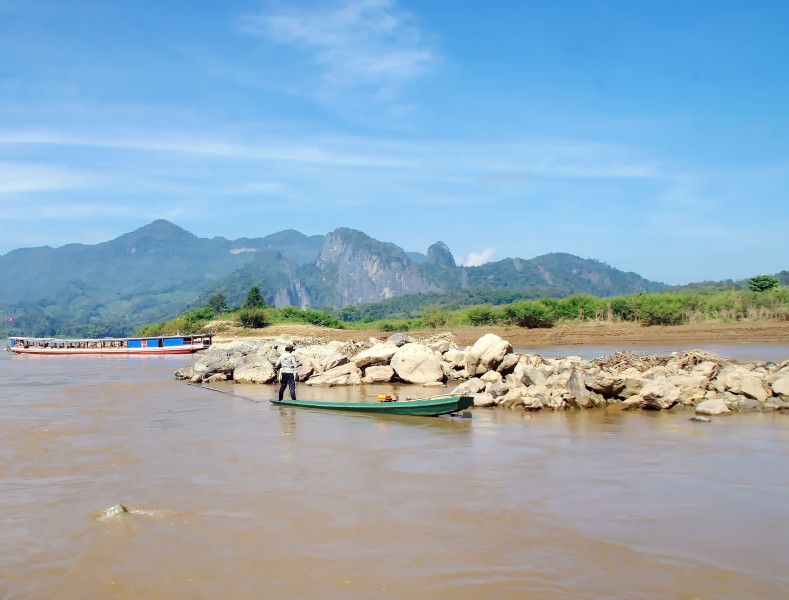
x=766, y=300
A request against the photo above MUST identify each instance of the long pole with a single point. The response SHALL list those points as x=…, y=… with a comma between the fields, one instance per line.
x=205, y=387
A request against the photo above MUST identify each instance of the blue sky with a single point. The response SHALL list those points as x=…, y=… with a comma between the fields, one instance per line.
x=651, y=136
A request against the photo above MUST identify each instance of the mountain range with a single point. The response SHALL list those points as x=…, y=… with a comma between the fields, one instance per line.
x=159, y=270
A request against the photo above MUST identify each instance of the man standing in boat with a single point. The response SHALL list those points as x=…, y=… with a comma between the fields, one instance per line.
x=288, y=363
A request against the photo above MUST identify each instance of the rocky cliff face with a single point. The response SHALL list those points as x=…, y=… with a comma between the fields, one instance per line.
x=439, y=255
x=354, y=268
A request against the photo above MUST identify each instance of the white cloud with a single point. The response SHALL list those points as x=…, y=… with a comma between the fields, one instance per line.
x=476, y=259
x=355, y=42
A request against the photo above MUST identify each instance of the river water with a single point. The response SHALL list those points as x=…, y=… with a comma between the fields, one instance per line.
x=232, y=498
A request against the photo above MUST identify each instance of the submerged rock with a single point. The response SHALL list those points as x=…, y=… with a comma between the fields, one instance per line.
x=111, y=512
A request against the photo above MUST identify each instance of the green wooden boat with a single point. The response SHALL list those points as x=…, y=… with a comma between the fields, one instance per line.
x=428, y=407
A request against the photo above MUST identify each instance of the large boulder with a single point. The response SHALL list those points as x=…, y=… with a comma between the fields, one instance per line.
x=780, y=385
x=208, y=365
x=483, y=400
x=605, y=384
x=378, y=374
x=578, y=396
x=739, y=380
x=261, y=372
x=659, y=394
x=692, y=387
x=498, y=389
x=222, y=359
x=380, y=354
x=531, y=398
x=634, y=383
x=491, y=377
x=486, y=354
x=320, y=358
x=528, y=374
x=508, y=364
x=456, y=357
x=185, y=372
x=556, y=398
x=347, y=374
x=416, y=363
x=706, y=369
x=399, y=339
x=712, y=406
x=468, y=387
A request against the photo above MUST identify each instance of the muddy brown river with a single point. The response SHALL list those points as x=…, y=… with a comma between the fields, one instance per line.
x=230, y=498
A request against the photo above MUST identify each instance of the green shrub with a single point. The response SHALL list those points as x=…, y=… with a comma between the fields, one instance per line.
x=625, y=308
x=762, y=283
x=480, y=315
x=530, y=313
x=435, y=317
x=321, y=318
x=199, y=314
x=661, y=310
x=289, y=313
x=253, y=318
x=577, y=308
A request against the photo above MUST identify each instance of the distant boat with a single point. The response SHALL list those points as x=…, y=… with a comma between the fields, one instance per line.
x=429, y=407
x=148, y=345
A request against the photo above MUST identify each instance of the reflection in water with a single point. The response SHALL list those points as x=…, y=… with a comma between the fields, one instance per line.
x=287, y=420
x=229, y=498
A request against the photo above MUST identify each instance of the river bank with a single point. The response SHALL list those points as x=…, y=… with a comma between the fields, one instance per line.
x=564, y=334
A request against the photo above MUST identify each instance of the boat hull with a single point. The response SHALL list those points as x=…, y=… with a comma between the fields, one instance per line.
x=431, y=407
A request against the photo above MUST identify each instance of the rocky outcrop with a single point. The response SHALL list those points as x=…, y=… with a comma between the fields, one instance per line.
x=494, y=375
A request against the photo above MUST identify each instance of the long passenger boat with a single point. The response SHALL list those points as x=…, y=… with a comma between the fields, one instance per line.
x=148, y=345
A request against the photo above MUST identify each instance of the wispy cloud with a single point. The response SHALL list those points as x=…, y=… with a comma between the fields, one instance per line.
x=307, y=153
x=66, y=211
x=346, y=167
x=20, y=177
x=354, y=42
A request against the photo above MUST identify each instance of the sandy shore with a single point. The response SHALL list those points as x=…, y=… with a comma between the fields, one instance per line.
x=565, y=334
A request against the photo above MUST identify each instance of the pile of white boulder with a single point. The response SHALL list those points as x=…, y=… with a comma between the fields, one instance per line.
x=495, y=375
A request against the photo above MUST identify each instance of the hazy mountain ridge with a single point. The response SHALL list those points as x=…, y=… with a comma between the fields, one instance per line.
x=159, y=270
x=113, y=287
